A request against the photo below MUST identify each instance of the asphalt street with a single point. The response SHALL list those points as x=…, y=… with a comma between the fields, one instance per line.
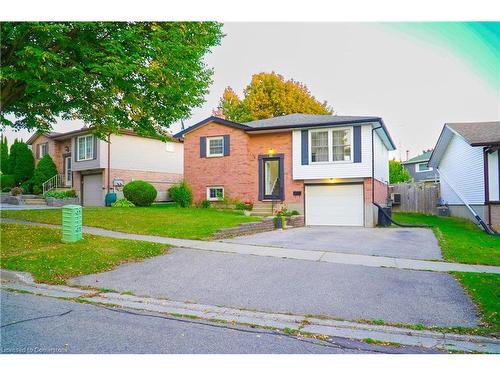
x=35, y=324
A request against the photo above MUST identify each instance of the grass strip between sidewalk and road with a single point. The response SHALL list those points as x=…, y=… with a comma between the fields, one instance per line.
x=40, y=252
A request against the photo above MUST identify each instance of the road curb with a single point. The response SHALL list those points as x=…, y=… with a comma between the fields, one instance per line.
x=296, y=322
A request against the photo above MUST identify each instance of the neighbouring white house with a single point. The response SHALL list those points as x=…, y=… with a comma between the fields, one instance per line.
x=93, y=166
x=467, y=159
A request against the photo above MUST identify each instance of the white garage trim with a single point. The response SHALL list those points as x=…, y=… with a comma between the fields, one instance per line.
x=334, y=204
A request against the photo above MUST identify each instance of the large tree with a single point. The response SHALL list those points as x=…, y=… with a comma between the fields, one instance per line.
x=270, y=95
x=137, y=75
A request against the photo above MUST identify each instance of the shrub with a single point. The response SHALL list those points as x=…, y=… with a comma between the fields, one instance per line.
x=27, y=186
x=61, y=194
x=244, y=206
x=6, y=182
x=44, y=170
x=181, y=194
x=294, y=212
x=140, y=193
x=205, y=203
x=24, y=163
x=122, y=203
x=17, y=190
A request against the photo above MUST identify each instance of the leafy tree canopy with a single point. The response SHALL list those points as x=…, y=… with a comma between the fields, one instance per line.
x=270, y=95
x=397, y=172
x=137, y=75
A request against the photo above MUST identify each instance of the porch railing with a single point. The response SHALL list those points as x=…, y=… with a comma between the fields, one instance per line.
x=56, y=181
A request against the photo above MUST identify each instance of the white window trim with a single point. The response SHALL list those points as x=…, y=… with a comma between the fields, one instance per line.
x=330, y=145
x=40, y=148
x=214, y=187
x=418, y=170
x=87, y=136
x=209, y=155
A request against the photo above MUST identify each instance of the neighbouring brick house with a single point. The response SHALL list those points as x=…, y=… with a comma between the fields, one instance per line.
x=82, y=162
x=322, y=166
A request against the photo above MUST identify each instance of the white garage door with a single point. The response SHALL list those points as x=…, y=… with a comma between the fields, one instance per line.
x=334, y=205
x=92, y=190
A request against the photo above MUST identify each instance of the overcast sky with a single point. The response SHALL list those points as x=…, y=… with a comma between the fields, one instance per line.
x=415, y=79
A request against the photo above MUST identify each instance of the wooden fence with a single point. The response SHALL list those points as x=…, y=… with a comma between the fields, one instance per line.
x=417, y=197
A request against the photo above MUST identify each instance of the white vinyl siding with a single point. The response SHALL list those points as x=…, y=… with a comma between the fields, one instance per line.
x=336, y=169
x=381, y=155
x=85, y=144
x=463, y=166
x=493, y=176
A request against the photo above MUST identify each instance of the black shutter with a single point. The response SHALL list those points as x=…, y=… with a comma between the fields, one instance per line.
x=226, y=145
x=357, y=143
x=305, y=146
x=203, y=147
x=94, y=138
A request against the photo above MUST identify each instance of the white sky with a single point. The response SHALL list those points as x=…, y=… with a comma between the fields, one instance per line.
x=360, y=69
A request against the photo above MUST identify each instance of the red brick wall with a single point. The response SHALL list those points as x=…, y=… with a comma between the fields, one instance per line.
x=380, y=191
x=260, y=144
x=56, y=150
x=232, y=172
x=238, y=173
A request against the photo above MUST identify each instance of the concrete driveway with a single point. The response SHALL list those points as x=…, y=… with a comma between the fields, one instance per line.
x=294, y=286
x=412, y=243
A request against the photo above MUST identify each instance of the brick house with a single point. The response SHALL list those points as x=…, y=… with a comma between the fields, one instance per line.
x=93, y=166
x=322, y=166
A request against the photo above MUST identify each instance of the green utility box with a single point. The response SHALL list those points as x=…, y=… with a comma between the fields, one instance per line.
x=71, y=223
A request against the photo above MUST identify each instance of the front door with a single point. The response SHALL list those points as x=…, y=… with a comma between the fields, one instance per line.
x=271, y=179
x=67, y=171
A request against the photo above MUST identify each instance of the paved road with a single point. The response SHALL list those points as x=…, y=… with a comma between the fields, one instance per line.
x=296, y=286
x=412, y=243
x=34, y=324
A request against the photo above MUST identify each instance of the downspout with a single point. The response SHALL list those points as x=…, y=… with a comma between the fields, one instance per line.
x=486, y=228
x=373, y=192
x=486, y=184
x=109, y=162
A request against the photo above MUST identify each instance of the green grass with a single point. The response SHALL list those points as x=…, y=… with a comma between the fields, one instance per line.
x=484, y=289
x=40, y=251
x=460, y=240
x=166, y=220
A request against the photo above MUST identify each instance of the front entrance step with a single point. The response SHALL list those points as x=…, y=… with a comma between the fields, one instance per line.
x=263, y=208
x=35, y=201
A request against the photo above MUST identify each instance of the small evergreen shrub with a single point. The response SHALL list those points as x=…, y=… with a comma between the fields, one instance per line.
x=122, y=203
x=294, y=212
x=44, y=170
x=140, y=193
x=7, y=182
x=61, y=194
x=181, y=194
x=17, y=190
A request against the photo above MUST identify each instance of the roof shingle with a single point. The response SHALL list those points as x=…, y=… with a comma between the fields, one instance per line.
x=478, y=133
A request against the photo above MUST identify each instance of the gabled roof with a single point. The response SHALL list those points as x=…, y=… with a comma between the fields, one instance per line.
x=476, y=134
x=38, y=134
x=298, y=120
x=419, y=159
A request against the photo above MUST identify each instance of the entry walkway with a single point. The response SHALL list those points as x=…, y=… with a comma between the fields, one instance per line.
x=278, y=252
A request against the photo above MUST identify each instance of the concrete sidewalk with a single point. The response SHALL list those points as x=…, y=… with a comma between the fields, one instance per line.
x=289, y=253
x=300, y=323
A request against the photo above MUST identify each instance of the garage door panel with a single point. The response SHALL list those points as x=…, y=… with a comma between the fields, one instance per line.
x=334, y=205
x=92, y=190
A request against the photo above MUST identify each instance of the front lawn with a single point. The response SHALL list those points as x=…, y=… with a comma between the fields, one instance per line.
x=40, y=251
x=460, y=240
x=166, y=220
x=484, y=289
